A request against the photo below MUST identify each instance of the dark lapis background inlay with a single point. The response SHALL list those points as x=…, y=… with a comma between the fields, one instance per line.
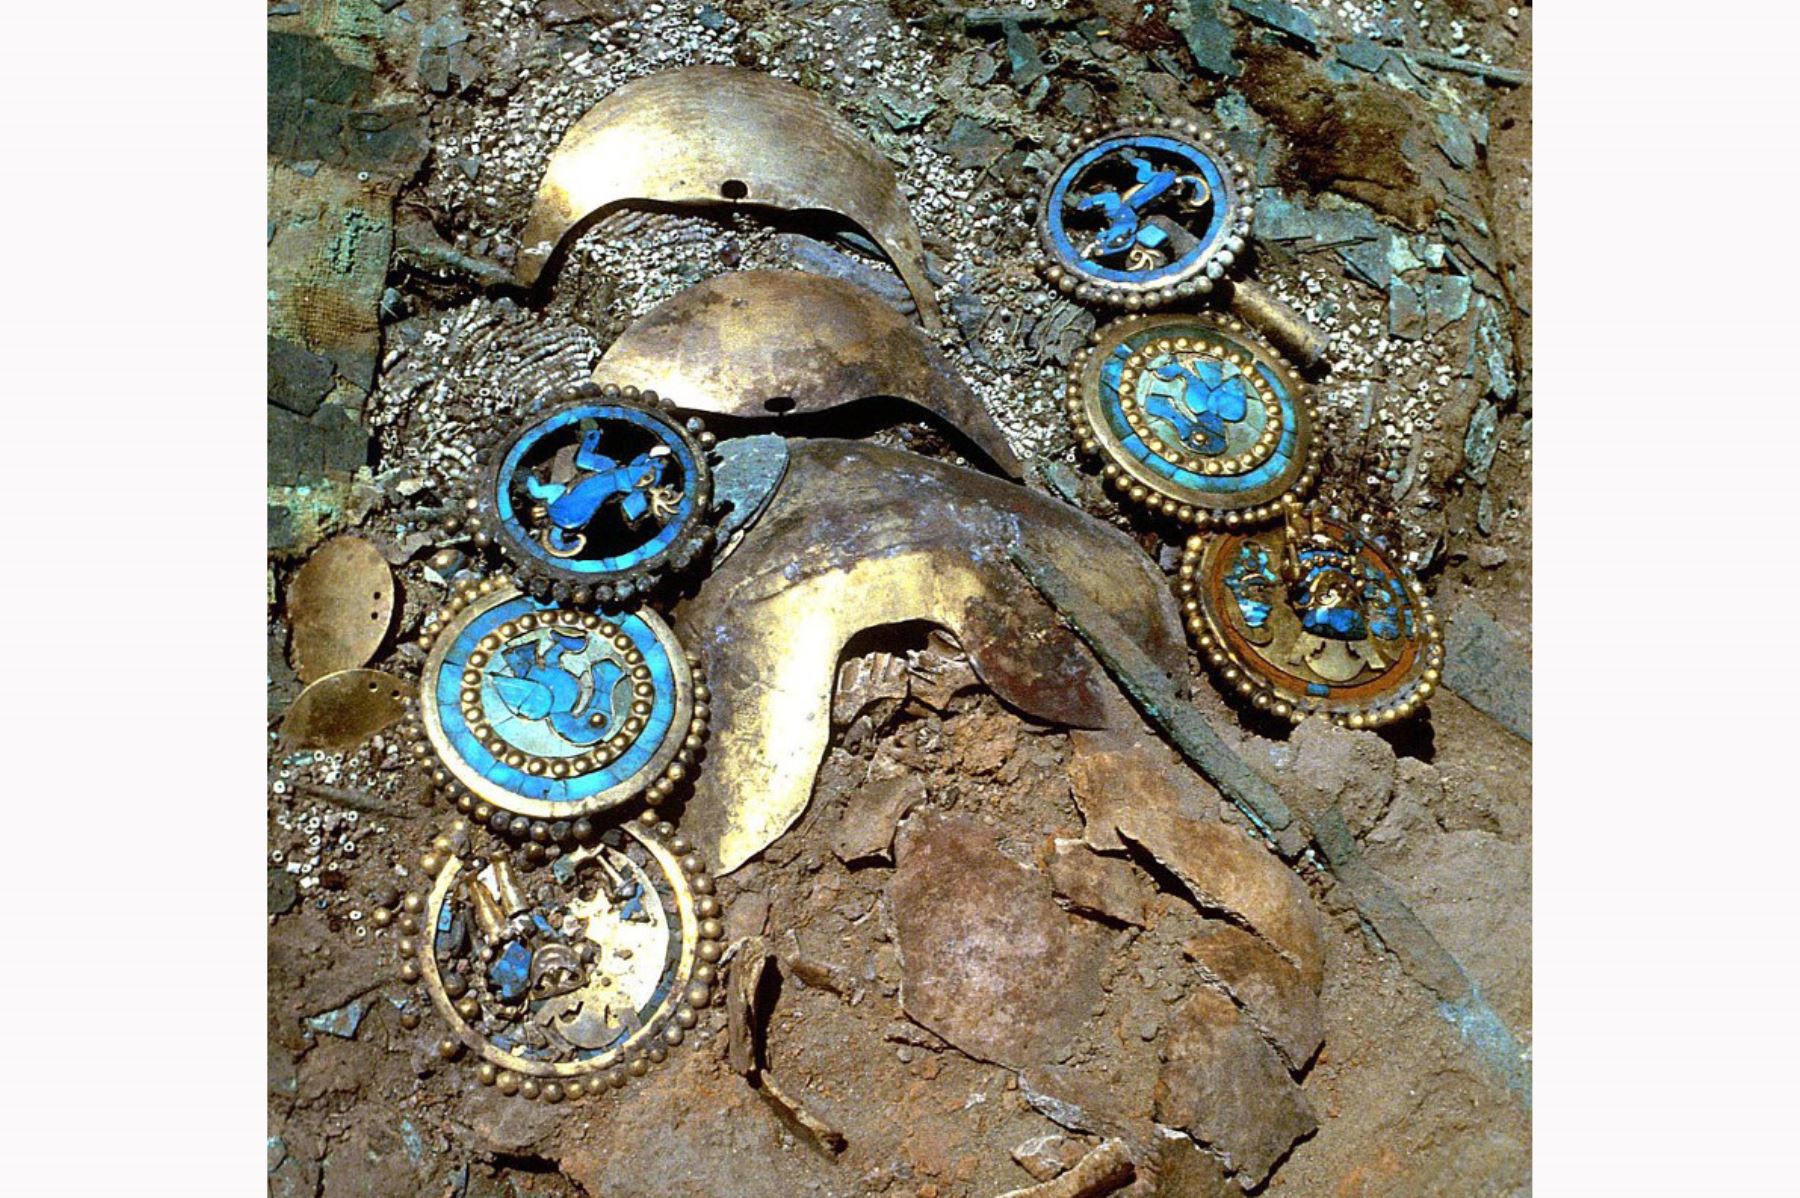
x=1140, y=208
x=597, y=490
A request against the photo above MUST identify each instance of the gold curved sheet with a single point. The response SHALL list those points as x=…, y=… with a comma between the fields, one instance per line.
x=722, y=135
x=765, y=343
x=862, y=536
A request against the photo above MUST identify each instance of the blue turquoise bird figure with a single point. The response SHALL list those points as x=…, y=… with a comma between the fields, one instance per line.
x=1205, y=403
x=540, y=688
x=637, y=486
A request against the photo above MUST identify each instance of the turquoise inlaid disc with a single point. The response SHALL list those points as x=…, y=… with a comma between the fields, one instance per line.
x=1311, y=616
x=602, y=969
x=1197, y=417
x=1145, y=214
x=598, y=498
x=1137, y=209
x=554, y=712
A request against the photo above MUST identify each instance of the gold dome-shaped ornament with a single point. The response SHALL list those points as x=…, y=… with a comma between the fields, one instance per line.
x=1311, y=617
x=1193, y=416
x=566, y=978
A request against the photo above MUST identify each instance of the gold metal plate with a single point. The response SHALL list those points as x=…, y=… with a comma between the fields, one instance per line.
x=1312, y=617
x=722, y=135
x=340, y=604
x=342, y=710
x=767, y=343
x=861, y=536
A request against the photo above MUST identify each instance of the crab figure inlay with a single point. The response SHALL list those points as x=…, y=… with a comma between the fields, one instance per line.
x=1202, y=397
x=1312, y=616
x=557, y=693
x=552, y=712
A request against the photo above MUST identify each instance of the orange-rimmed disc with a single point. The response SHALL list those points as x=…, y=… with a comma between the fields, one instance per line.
x=1312, y=617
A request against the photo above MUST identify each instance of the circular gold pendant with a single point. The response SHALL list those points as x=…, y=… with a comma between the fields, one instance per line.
x=566, y=978
x=1311, y=617
x=550, y=713
x=1194, y=417
x=1144, y=213
x=599, y=497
